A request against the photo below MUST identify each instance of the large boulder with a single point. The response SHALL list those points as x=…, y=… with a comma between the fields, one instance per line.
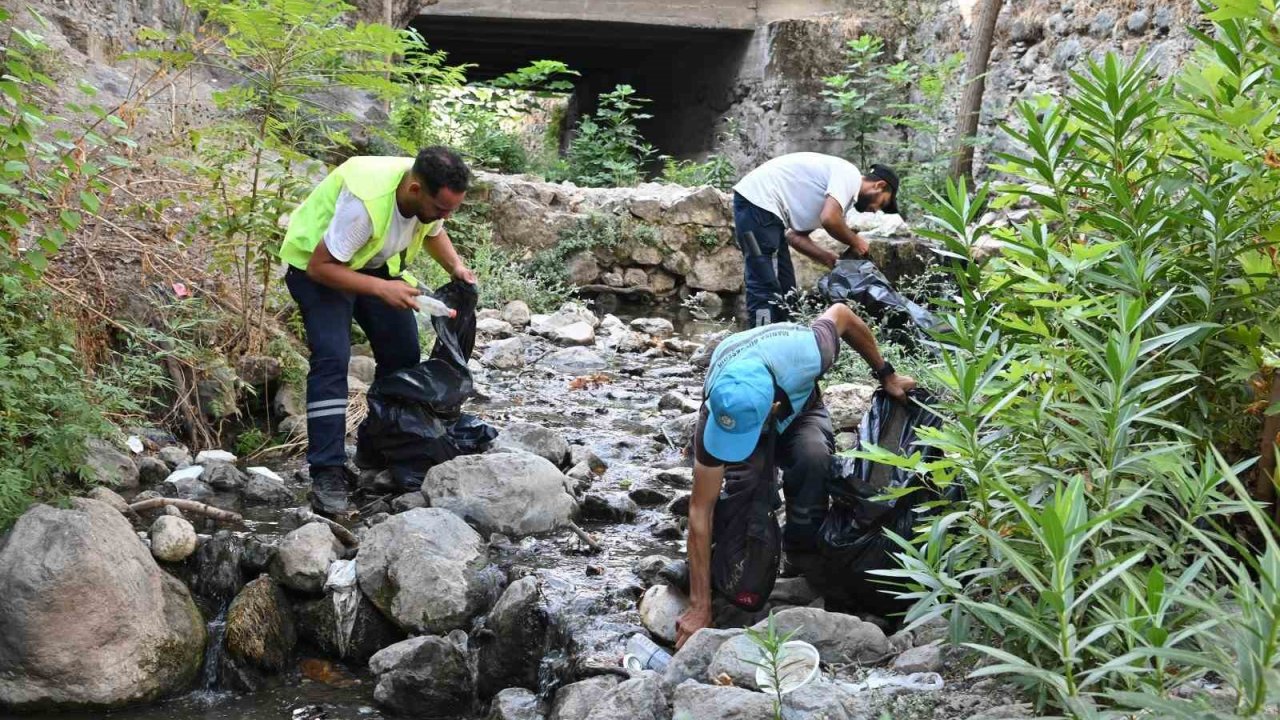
x=426, y=677
x=720, y=271
x=568, y=314
x=264, y=486
x=303, y=558
x=107, y=465
x=514, y=493
x=504, y=354
x=736, y=658
x=515, y=639
x=714, y=702
x=639, y=697
x=575, y=361
x=579, y=333
x=516, y=312
x=574, y=701
x=260, y=634
x=536, y=439
x=840, y=639
x=87, y=618
x=425, y=570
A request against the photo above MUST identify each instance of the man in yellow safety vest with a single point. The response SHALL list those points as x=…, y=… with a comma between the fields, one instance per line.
x=348, y=246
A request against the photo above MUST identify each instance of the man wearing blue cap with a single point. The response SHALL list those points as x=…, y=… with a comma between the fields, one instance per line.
x=769, y=374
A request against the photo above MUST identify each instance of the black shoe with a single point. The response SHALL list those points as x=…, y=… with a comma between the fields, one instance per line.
x=366, y=459
x=330, y=493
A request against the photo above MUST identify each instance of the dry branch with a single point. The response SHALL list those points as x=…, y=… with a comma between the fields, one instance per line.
x=190, y=506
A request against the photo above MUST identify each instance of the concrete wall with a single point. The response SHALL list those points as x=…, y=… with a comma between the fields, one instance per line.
x=721, y=14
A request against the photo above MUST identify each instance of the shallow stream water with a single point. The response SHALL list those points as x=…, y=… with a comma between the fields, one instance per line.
x=616, y=415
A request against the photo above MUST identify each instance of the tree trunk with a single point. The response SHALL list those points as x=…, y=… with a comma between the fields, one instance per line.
x=975, y=84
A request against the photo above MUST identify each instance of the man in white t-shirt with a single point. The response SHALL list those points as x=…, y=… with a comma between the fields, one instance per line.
x=784, y=200
x=348, y=246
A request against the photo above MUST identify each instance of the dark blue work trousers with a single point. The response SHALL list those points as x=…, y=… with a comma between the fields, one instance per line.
x=327, y=315
x=769, y=275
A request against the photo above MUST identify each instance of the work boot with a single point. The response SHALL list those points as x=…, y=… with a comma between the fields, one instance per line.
x=330, y=492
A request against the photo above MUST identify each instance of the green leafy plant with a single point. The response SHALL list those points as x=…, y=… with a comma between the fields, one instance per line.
x=1095, y=376
x=715, y=171
x=770, y=642
x=607, y=149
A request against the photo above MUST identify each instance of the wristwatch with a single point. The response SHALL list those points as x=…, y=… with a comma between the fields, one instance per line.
x=883, y=372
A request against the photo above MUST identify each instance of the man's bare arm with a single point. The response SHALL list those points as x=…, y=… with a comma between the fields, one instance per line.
x=441, y=249
x=331, y=272
x=832, y=219
x=858, y=336
x=805, y=245
x=702, y=503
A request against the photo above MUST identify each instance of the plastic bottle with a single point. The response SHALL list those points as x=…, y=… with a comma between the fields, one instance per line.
x=429, y=307
x=645, y=654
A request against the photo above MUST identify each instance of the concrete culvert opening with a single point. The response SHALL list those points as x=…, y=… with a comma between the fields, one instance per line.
x=688, y=73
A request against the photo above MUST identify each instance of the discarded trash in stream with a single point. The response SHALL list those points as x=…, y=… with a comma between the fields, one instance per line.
x=798, y=663
x=915, y=682
x=341, y=584
x=415, y=420
x=323, y=671
x=644, y=654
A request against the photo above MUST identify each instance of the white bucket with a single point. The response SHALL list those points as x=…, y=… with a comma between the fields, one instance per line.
x=797, y=666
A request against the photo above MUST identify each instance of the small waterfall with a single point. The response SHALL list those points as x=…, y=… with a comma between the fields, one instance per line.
x=213, y=651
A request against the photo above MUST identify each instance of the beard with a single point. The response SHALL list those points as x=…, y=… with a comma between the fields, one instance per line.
x=862, y=204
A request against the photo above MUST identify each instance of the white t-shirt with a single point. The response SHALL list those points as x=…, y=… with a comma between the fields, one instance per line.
x=351, y=228
x=794, y=187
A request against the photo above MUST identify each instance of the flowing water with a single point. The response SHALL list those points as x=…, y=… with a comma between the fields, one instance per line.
x=593, y=595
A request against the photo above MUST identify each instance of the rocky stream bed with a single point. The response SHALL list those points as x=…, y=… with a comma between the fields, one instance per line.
x=470, y=599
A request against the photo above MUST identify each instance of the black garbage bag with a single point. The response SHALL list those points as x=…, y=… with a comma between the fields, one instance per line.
x=415, y=418
x=860, y=280
x=852, y=538
x=746, y=544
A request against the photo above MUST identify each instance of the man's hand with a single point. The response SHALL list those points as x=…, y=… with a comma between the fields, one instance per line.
x=860, y=245
x=462, y=272
x=399, y=295
x=897, y=386
x=693, y=620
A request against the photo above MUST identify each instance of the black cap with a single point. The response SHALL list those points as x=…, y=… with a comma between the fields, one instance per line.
x=890, y=178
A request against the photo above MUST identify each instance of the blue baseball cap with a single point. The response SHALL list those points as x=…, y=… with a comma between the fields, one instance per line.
x=738, y=403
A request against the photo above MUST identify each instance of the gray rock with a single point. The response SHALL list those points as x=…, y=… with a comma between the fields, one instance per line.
x=672, y=400
x=428, y=677
x=1163, y=19
x=581, y=268
x=293, y=426
x=516, y=704
x=735, y=658
x=1138, y=22
x=258, y=370
x=214, y=456
x=660, y=608
x=679, y=430
x=221, y=567
x=260, y=634
x=635, y=277
x=822, y=698
x=152, y=470
x=568, y=314
x=222, y=475
x=839, y=638
x=362, y=368
x=53, y=652
x=639, y=697
x=702, y=357
x=847, y=403
x=1012, y=711
x=536, y=439
x=579, y=454
x=175, y=456
x=185, y=484
x=609, y=507
x=516, y=312
x=493, y=327
x=705, y=303
x=578, y=333
x=668, y=530
x=575, y=361
x=504, y=354
x=677, y=477
x=926, y=658
x=318, y=624
x=629, y=341
x=514, y=493
x=693, y=660
x=1029, y=30
x=408, y=501
x=289, y=401
x=575, y=701
x=648, y=496
x=108, y=466
x=424, y=569
x=216, y=391
x=303, y=558
x=1066, y=54
x=110, y=497
x=515, y=639
x=1103, y=23
x=713, y=702
x=172, y=539
x=658, y=327
x=680, y=506
x=266, y=488
x=488, y=314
